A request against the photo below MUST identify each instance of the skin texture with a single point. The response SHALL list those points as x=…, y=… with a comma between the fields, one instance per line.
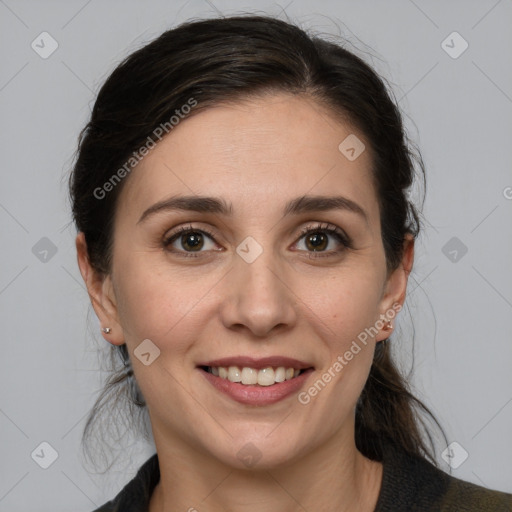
x=291, y=301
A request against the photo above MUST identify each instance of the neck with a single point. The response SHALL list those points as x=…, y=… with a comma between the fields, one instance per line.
x=334, y=476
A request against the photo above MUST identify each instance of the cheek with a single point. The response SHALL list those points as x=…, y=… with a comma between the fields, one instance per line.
x=344, y=317
x=153, y=302
x=344, y=304
x=167, y=309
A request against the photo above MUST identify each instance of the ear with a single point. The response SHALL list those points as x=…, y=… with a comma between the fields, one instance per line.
x=395, y=288
x=101, y=293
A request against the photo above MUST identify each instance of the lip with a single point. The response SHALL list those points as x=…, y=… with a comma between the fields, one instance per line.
x=257, y=395
x=258, y=364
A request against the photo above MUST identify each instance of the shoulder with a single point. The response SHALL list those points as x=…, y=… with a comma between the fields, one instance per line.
x=412, y=483
x=136, y=494
x=463, y=496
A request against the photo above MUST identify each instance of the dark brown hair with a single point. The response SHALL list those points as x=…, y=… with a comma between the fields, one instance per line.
x=235, y=58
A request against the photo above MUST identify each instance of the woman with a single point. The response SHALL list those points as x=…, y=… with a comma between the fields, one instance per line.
x=246, y=237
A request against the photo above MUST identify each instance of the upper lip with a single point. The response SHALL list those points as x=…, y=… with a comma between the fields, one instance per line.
x=258, y=364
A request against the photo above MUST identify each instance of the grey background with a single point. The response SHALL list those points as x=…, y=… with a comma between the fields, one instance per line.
x=461, y=309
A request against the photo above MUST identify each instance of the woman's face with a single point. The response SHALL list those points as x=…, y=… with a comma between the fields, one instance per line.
x=246, y=282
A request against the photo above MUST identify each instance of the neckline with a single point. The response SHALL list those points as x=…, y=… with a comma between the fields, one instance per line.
x=398, y=479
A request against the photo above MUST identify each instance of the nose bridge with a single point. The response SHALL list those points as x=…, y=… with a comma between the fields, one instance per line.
x=259, y=276
x=258, y=296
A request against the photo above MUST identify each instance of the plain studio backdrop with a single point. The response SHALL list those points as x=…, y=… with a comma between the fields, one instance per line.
x=450, y=68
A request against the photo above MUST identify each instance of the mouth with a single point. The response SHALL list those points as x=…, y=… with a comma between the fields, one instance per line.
x=256, y=382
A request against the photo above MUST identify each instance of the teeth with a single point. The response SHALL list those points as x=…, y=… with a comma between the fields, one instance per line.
x=234, y=374
x=250, y=376
x=280, y=374
x=266, y=377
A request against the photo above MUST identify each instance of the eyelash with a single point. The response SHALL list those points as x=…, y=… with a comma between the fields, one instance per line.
x=325, y=228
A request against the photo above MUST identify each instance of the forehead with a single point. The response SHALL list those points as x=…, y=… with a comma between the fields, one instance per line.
x=261, y=151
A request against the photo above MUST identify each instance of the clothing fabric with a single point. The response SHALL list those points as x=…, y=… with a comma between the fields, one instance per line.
x=409, y=484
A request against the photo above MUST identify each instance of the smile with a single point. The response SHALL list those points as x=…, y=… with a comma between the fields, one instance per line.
x=256, y=382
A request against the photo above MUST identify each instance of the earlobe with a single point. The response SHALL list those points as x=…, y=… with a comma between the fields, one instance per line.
x=101, y=294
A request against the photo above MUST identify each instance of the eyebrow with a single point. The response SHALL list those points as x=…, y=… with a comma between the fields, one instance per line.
x=205, y=204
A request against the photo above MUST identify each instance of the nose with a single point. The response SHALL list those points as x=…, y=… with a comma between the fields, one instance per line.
x=259, y=298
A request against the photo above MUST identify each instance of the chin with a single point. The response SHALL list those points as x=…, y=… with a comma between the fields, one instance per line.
x=261, y=452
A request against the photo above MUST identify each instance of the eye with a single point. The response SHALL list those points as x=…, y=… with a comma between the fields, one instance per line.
x=189, y=240
x=323, y=238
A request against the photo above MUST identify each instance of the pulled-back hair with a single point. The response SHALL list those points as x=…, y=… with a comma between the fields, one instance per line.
x=236, y=58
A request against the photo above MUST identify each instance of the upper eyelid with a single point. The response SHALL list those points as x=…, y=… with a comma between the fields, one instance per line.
x=315, y=225
x=184, y=230
x=323, y=226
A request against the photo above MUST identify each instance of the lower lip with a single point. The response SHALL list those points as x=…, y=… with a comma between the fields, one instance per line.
x=257, y=395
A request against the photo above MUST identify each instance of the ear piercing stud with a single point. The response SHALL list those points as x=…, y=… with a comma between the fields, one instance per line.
x=388, y=326
x=106, y=330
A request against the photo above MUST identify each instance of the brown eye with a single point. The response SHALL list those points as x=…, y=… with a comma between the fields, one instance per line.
x=317, y=241
x=192, y=241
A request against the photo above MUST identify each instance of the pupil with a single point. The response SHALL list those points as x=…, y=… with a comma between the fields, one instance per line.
x=192, y=241
x=317, y=241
